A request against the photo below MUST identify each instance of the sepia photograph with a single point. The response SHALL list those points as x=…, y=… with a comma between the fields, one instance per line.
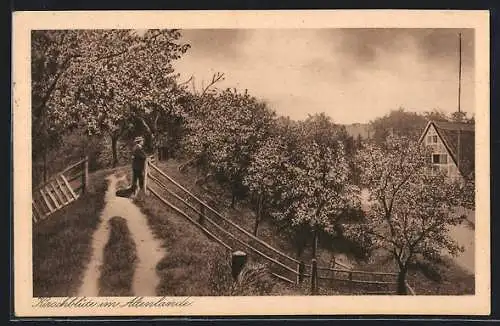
x=175, y=163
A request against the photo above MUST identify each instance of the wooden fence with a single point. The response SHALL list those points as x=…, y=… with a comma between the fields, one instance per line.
x=233, y=237
x=60, y=190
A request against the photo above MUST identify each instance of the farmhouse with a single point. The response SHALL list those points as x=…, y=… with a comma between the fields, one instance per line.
x=452, y=146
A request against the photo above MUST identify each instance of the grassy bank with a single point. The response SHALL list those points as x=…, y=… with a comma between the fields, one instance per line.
x=447, y=279
x=453, y=280
x=62, y=242
x=194, y=265
x=119, y=260
x=183, y=271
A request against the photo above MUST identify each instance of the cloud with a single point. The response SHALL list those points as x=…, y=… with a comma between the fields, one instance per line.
x=220, y=43
x=364, y=45
x=354, y=75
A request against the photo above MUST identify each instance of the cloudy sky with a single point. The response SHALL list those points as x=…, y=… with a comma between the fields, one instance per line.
x=353, y=75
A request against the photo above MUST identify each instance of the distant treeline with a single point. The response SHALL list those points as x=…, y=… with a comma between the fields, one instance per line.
x=402, y=122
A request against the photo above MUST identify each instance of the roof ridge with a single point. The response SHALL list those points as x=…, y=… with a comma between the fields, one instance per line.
x=464, y=126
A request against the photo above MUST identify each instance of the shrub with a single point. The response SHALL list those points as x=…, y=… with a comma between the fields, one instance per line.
x=254, y=279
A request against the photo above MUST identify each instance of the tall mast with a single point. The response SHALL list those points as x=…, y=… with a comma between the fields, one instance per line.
x=459, y=68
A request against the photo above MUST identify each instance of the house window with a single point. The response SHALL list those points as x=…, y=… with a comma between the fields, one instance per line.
x=439, y=158
x=432, y=139
x=437, y=168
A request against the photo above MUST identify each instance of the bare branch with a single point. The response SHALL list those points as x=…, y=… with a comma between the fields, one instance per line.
x=424, y=233
x=397, y=188
x=112, y=55
x=145, y=124
x=381, y=237
x=217, y=77
x=155, y=123
x=187, y=81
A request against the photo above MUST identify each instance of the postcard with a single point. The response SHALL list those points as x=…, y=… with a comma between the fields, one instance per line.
x=226, y=163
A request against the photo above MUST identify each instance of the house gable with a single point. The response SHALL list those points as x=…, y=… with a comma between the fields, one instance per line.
x=441, y=156
x=456, y=140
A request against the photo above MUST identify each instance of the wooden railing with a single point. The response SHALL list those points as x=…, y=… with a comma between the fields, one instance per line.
x=60, y=190
x=233, y=237
x=357, y=281
x=219, y=228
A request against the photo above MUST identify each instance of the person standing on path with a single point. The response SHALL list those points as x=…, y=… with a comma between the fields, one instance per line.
x=138, y=162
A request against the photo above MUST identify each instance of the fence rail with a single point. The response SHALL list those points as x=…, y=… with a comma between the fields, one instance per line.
x=60, y=190
x=239, y=228
x=178, y=210
x=233, y=237
x=227, y=233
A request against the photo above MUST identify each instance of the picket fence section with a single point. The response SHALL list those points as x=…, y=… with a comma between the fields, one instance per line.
x=233, y=237
x=60, y=190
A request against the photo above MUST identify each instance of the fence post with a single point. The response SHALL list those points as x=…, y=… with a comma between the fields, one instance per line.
x=300, y=272
x=238, y=261
x=350, y=282
x=314, y=277
x=333, y=262
x=85, y=175
x=146, y=171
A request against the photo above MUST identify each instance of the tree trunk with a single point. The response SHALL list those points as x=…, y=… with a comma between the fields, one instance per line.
x=300, y=240
x=233, y=199
x=256, y=225
x=114, y=149
x=258, y=216
x=402, y=281
x=154, y=142
x=149, y=135
x=315, y=243
x=300, y=249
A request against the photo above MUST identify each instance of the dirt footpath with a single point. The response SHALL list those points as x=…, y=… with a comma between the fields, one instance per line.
x=149, y=249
